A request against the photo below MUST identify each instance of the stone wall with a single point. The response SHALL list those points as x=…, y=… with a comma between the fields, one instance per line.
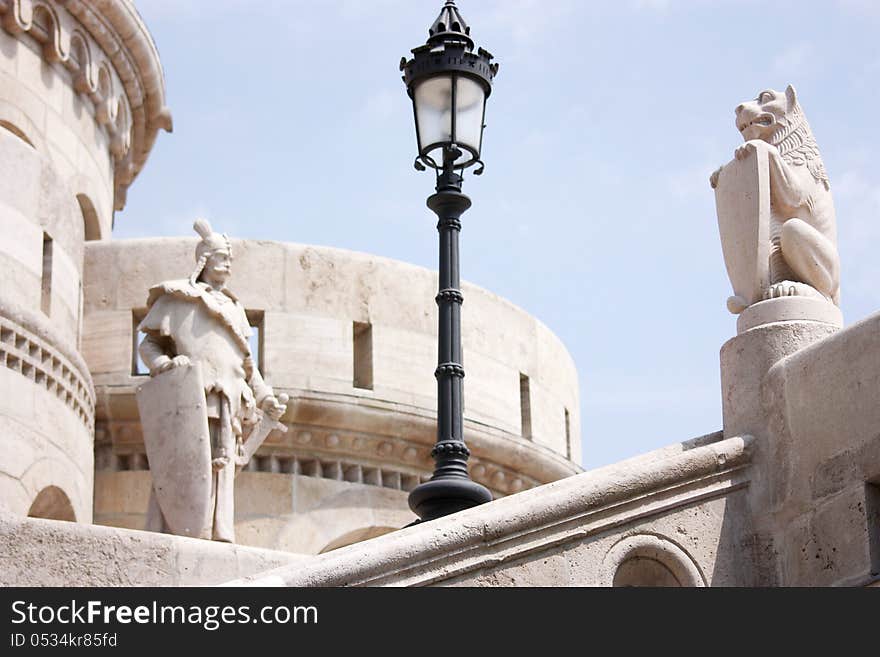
x=822, y=504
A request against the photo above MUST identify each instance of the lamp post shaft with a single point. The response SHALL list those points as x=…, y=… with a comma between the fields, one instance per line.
x=449, y=204
x=450, y=489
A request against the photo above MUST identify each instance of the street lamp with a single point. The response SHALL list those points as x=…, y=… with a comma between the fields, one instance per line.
x=449, y=85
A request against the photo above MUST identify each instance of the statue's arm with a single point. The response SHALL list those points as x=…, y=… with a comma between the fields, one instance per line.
x=263, y=393
x=784, y=184
x=158, y=354
x=262, y=390
x=154, y=352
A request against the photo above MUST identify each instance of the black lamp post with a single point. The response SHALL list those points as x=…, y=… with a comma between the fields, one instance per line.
x=449, y=85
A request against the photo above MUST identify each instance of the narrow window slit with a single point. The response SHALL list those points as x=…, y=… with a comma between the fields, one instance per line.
x=363, y=355
x=525, y=406
x=46, y=281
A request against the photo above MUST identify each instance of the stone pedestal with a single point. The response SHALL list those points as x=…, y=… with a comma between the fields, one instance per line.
x=767, y=332
x=789, y=309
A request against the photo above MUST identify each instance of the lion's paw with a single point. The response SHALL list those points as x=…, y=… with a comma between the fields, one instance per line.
x=713, y=179
x=791, y=289
x=742, y=152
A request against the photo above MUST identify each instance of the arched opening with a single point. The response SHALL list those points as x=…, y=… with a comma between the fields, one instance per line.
x=644, y=571
x=18, y=132
x=52, y=503
x=356, y=536
x=90, y=218
x=650, y=560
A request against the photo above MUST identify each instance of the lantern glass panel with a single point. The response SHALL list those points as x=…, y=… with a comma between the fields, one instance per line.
x=469, y=101
x=433, y=101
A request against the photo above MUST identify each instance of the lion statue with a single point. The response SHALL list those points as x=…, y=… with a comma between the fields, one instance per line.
x=803, y=233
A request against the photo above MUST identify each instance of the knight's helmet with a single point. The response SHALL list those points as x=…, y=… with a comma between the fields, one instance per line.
x=209, y=244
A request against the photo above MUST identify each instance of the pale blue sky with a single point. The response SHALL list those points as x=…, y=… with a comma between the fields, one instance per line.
x=594, y=214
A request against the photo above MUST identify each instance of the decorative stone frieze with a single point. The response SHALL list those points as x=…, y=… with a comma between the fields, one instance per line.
x=35, y=358
x=310, y=451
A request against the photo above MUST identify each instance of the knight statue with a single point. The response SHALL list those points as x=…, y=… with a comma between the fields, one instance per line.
x=206, y=407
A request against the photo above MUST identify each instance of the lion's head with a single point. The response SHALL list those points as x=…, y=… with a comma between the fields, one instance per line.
x=778, y=119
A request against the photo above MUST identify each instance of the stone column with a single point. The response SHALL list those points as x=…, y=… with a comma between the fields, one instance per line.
x=767, y=332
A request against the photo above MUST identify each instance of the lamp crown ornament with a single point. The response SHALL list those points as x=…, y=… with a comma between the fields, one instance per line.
x=450, y=26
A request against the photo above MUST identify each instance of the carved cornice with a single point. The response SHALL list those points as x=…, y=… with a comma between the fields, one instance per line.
x=88, y=39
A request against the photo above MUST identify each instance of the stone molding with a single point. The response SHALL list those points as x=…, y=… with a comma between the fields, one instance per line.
x=314, y=451
x=29, y=346
x=108, y=460
x=503, y=531
x=103, y=33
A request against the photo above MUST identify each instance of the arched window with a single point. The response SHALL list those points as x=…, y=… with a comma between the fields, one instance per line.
x=91, y=223
x=52, y=503
x=18, y=132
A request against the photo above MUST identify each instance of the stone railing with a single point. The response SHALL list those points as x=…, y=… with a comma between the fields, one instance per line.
x=577, y=531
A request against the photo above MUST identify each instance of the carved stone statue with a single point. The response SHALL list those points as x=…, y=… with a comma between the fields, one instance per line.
x=776, y=192
x=204, y=393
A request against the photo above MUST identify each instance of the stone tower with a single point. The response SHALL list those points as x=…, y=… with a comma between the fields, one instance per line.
x=82, y=97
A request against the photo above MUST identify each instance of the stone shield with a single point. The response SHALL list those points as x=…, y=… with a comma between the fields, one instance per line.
x=742, y=199
x=174, y=419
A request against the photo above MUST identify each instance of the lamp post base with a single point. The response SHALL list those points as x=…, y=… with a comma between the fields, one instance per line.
x=440, y=497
